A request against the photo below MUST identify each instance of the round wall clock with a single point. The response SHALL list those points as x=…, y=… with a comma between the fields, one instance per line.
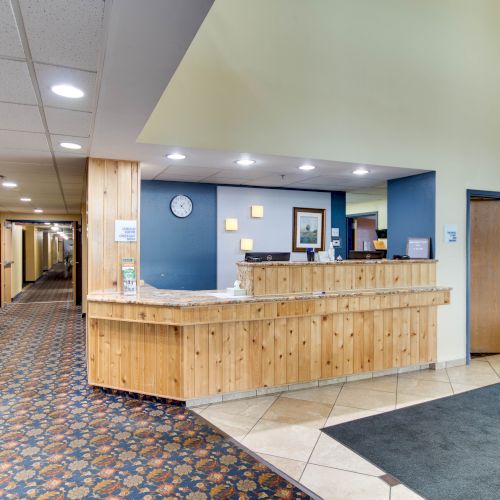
x=181, y=206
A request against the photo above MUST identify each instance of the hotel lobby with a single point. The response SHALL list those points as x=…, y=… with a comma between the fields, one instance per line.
x=249, y=249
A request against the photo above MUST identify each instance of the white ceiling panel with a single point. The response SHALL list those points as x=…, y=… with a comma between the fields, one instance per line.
x=15, y=82
x=178, y=170
x=48, y=76
x=68, y=122
x=64, y=32
x=149, y=171
x=23, y=140
x=24, y=117
x=16, y=156
x=63, y=152
x=10, y=43
x=228, y=180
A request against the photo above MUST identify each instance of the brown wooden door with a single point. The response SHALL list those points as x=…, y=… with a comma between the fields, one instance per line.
x=485, y=276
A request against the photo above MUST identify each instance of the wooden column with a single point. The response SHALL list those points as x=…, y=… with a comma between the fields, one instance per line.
x=113, y=193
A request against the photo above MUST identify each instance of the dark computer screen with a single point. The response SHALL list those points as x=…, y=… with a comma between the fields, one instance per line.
x=267, y=256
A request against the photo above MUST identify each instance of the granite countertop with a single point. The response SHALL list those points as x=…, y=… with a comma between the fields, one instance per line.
x=335, y=263
x=148, y=295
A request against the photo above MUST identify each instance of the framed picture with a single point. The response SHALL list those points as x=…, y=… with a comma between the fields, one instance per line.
x=418, y=248
x=308, y=229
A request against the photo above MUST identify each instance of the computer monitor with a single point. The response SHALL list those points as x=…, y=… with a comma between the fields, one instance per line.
x=267, y=256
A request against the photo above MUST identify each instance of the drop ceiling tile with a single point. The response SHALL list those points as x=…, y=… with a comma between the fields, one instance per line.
x=16, y=156
x=15, y=82
x=48, y=76
x=10, y=43
x=65, y=32
x=62, y=153
x=23, y=140
x=174, y=170
x=228, y=180
x=178, y=178
x=25, y=117
x=149, y=171
x=68, y=122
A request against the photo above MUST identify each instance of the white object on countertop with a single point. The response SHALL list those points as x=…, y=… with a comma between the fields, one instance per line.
x=237, y=285
x=236, y=291
x=331, y=251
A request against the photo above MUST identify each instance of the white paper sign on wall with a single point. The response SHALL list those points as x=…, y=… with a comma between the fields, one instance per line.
x=450, y=233
x=125, y=230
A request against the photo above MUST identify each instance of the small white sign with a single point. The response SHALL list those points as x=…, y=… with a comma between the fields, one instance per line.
x=125, y=230
x=450, y=233
x=335, y=232
x=336, y=243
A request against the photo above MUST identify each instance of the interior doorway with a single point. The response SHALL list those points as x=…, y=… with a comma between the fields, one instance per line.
x=483, y=262
x=362, y=231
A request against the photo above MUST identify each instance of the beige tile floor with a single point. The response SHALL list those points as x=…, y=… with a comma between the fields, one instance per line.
x=284, y=429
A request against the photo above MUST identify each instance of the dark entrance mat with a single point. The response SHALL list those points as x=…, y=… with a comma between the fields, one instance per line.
x=445, y=449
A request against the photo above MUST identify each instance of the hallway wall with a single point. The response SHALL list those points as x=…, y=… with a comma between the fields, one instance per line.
x=17, y=257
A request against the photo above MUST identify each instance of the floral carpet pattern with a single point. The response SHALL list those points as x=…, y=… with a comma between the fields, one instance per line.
x=60, y=438
x=53, y=286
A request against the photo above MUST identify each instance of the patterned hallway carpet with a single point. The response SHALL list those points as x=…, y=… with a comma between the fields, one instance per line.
x=51, y=287
x=59, y=438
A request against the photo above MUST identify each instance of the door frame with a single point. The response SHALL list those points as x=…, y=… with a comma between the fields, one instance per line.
x=471, y=194
x=349, y=222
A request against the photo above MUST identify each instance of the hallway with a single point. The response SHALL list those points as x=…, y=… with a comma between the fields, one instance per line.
x=63, y=439
x=53, y=286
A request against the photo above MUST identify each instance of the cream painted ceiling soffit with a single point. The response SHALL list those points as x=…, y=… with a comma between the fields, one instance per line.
x=43, y=43
x=317, y=79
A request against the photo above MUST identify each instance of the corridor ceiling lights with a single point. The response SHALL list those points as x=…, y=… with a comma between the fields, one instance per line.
x=9, y=184
x=70, y=145
x=47, y=223
x=245, y=162
x=55, y=228
x=176, y=156
x=307, y=166
x=25, y=199
x=361, y=171
x=38, y=211
x=65, y=90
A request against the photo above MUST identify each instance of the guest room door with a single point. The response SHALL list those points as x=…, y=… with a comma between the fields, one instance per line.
x=485, y=276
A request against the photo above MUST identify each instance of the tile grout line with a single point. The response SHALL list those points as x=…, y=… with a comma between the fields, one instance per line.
x=326, y=420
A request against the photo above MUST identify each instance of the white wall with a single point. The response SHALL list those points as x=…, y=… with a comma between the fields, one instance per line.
x=272, y=233
x=379, y=206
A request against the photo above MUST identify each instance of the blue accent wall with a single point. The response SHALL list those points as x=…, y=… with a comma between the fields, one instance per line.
x=411, y=211
x=338, y=219
x=178, y=253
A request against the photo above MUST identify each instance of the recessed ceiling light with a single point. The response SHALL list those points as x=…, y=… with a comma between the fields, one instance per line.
x=176, y=156
x=47, y=223
x=9, y=184
x=70, y=145
x=38, y=211
x=361, y=171
x=65, y=90
x=25, y=199
x=55, y=228
x=245, y=162
x=307, y=166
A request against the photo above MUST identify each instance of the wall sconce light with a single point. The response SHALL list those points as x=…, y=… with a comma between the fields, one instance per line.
x=231, y=224
x=257, y=211
x=246, y=244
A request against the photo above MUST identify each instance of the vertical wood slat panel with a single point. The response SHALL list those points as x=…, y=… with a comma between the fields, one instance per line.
x=338, y=345
x=348, y=343
x=414, y=337
x=267, y=362
x=358, y=329
x=137, y=354
x=242, y=355
x=201, y=360
x=423, y=341
x=326, y=346
x=432, y=334
x=404, y=342
x=304, y=325
x=215, y=350
x=368, y=341
x=280, y=376
x=228, y=349
x=150, y=343
x=378, y=340
x=283, y=279
x=255, y=356
x=292, y=350
x=92, y=350
x=113, y=192
x=388, y=341
x=315, y=347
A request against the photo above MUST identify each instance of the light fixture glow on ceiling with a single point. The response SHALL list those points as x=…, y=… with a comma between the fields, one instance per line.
x=65, y=90
x=47, y=223
x=307, y=166
x=176, y=156
x=9, y=184
x=38, y=211
x=245, y=162
x=70, y=145
x=55, y=228
x=361, y=171
x=25, y=199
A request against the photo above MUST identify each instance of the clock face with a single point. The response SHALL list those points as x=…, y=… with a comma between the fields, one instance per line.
x=181, y=206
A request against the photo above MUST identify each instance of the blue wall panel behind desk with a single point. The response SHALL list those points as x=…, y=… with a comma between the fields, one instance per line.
x=338, y=219
x=411, y=211
x=178, y=253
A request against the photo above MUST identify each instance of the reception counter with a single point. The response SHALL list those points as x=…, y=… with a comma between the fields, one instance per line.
x=190, y=345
